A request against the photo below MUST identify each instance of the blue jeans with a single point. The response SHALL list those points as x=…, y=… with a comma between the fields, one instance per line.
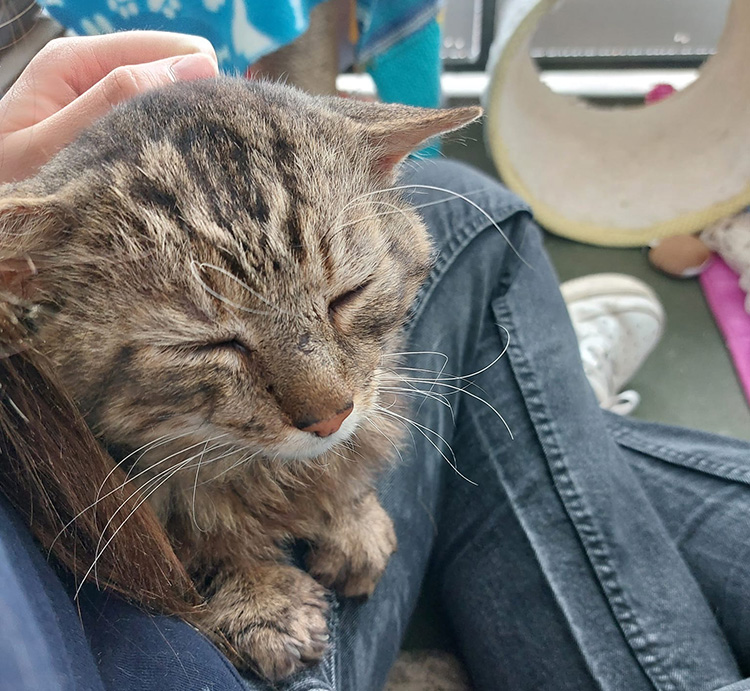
x=584, y=552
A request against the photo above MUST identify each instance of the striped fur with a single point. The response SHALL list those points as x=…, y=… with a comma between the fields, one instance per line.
x=213, y=266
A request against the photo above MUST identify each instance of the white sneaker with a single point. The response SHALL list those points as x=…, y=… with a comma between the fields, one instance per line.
x=618, y=320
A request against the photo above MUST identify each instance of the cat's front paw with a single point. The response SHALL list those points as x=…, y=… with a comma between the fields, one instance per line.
x=351, y=559
x=270, y=620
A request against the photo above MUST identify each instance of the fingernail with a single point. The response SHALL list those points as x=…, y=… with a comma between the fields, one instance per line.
x=194, y=66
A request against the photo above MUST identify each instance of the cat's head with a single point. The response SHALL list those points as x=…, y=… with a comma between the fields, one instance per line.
x=223, y=260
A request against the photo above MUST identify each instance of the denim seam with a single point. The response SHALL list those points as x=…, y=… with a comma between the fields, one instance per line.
x=644, y=646
x=480, y=431
x=333, y=630
x=723, y=470
x=451, y=251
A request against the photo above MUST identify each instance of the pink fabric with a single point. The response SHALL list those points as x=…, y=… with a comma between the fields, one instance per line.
x=727, y=301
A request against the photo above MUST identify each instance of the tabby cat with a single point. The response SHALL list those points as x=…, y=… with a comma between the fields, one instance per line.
x=215, y=272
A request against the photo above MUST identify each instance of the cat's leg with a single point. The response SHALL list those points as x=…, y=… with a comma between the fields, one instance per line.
x=352, y=548
x=266, y=615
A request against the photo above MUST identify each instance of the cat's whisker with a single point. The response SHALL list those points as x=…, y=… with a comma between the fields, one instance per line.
x=231, y=451
x=439, y=398
x=415, y=206
x=338, y=453
x=457, y=195
x=423, y=430
x=99, y=547
x=147, y=492
x=61, y=261
x=352, y=448
x=459, y=389
x=161, y=473
x=243, y=460
x=148, y=446
x=196, y=266
x=195, y=488
x=423, y=379
x=244, y=285
x=386, y=409
x=404, y=353
x=339, y=227
x=123, y=484
x=393, y=377
x=439, y=376
x=151, y=466
x=394, y=210
x=413, y=388
x=363, y=199
x=451, y=376
x=420, y=352
x=369, y=419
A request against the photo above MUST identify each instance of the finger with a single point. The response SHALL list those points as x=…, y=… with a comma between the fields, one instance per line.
x=97, y=56
x=68, y=67
x=33, y=146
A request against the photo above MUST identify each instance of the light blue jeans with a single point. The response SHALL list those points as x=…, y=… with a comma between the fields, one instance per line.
x=587, y=552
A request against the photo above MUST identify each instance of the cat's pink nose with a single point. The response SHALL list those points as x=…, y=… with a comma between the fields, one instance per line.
x=325, y=428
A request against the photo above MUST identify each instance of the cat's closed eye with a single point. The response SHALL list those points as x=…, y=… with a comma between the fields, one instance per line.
x=231, y=344
x=345, y=299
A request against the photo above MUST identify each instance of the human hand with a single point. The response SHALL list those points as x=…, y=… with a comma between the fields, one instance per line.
x=73, y=81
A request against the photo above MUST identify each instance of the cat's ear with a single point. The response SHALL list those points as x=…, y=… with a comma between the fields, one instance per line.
x=394, y=131
x=30, y=227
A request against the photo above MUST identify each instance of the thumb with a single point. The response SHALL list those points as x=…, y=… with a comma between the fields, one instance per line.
x=46, y=138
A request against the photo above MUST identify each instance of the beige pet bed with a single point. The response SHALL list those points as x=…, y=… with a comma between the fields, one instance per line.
x=622, y=176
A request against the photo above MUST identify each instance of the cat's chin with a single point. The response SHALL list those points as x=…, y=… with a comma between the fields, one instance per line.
x=303, y=446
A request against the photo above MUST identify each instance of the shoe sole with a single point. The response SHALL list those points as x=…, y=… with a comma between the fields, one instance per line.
x=598, y=285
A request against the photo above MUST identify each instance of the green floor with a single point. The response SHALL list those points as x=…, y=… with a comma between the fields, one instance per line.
x=687, y=381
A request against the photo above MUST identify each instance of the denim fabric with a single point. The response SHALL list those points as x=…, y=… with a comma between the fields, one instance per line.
x=585, y=551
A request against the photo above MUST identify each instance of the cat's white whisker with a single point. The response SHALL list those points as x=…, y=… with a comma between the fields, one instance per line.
x=195, y=488
x=244, y=459
x=394, y=209
x=231, y=451
x=404, y=353
x=459, y=389
x=376, y=427
x=156, y=482
x=439, y=398
x=123, y=484
x=459, y=196
x=423, y=430
x=413, y=389
x=148, y=446
x=99, y=547
x=439, y=375
x=443, y=200
x=423, y=379
x=195, y=267
x=338, y=227
x=451, y=377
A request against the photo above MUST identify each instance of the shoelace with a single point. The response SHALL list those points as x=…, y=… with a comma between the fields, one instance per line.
x=623, y=403
x=596, y=364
